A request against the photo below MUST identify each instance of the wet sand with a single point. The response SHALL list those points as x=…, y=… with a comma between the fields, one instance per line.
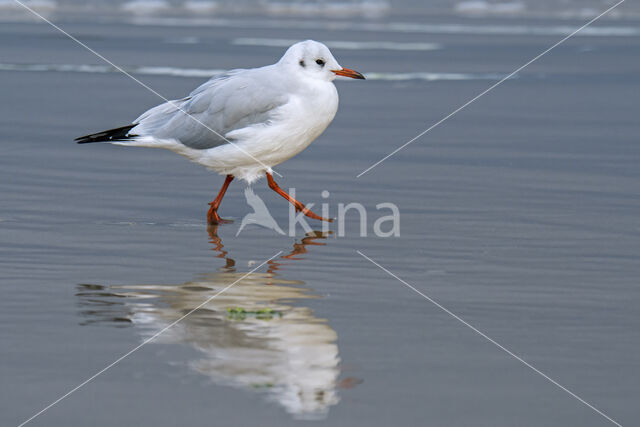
x=520, y=214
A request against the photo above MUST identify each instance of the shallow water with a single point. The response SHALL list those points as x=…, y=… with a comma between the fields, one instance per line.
x=519, y=214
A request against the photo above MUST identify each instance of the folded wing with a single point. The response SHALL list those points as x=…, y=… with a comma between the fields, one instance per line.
x=228, y=102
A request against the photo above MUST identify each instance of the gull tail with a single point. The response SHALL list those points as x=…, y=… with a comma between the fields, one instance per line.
x=111, y=135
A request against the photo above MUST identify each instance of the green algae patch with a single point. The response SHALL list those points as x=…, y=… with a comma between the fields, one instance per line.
x=239, y=313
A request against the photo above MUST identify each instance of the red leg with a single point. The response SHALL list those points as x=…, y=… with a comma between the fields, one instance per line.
x=212, y=215
x=299, y=206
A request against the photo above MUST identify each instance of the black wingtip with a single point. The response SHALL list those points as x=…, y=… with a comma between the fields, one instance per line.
x=84, y=139
x=116, y=134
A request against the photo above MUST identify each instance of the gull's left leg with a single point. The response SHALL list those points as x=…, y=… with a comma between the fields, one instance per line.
x=212, y=215
x=299, y=206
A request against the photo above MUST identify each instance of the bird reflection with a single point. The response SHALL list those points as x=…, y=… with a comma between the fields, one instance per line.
x=254, y=336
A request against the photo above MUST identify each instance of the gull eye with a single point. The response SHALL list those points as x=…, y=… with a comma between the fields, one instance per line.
x=301, y=63
x=320, y=62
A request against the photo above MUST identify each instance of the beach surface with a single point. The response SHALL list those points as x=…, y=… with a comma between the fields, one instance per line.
x=520, y=215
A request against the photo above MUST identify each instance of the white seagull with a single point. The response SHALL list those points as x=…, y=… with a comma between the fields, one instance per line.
x=244, y=122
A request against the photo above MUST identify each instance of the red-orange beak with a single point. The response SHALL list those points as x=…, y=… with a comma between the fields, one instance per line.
x=349, y=73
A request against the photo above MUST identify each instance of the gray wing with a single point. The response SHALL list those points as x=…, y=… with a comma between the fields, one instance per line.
x=231, y=101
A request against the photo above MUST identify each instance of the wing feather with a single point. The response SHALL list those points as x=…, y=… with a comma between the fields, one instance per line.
x=228, y=102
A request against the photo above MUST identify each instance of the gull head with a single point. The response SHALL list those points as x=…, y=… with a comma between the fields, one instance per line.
x=314, y=60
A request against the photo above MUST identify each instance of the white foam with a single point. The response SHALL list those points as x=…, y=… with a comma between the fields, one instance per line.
x=146, y=7
x=82, y=68
x=397, y=27
x=207, y=73
x=11, y=9
x=37, y=5
x=482, y=7
x=89, y=68
x=177, y=72
x=431, y=77
x=340, y=44
x=182, y=40
x=371, y=8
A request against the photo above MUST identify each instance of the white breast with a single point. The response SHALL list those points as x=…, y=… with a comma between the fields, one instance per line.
x=295, y=125
x=303, y=119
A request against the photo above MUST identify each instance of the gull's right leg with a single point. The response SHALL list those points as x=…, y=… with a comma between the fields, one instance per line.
x=212, y=215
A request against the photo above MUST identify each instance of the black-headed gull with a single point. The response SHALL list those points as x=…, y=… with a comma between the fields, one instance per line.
x=244, y=122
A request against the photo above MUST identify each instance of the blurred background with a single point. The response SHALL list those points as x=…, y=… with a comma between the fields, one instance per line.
x=339, y=9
